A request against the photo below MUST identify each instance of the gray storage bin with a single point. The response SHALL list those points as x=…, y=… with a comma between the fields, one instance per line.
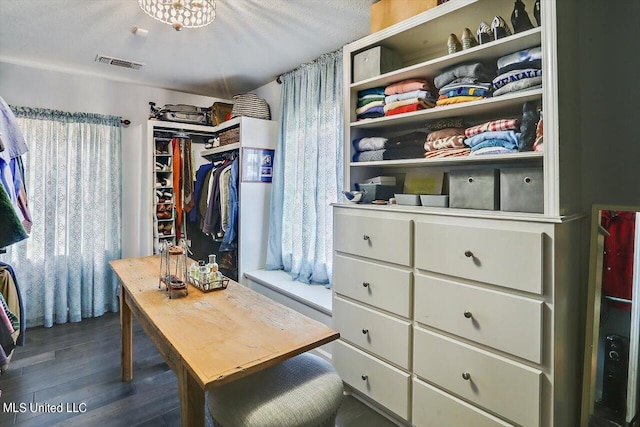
x=373, y=62
x=474, y=189
x=373, y=192
x=522, y=190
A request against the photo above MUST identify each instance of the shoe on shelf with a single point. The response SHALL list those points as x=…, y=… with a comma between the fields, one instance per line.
x=536, y=11
x=528, y=126
x=484, y=33
x=520, y=18
x=499, y=28
x=468, y=40
x=453, y=44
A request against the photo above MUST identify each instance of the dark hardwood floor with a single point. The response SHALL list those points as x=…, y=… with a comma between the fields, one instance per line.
x=76, y=367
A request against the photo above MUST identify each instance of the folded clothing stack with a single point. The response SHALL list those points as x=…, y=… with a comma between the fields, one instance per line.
x=519, y=71
x=447, y=142
x=463, y=83
x=405, y=146
x=368, y=149
x=493, y=137
x=370, y=103
x=408, y=95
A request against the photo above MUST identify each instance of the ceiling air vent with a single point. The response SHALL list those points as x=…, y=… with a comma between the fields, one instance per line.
x=118, y=62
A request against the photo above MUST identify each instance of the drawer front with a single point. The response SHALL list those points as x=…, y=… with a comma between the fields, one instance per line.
x=502, y=257
x=376, y=332
x=385, y=239
x=383, y=383
x=497, y=384
x=375, y=284
x=506, y=322
x=434, y=408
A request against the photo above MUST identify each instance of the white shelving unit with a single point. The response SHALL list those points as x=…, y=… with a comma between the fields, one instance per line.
x=254, y=197
x=463, y=316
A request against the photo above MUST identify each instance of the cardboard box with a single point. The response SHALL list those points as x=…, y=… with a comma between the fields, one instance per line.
x=388, y=12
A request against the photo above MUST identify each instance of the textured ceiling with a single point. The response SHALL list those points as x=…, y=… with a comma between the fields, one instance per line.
x=249, y=44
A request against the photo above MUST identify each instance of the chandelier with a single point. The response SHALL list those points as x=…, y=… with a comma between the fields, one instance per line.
x=181, y=13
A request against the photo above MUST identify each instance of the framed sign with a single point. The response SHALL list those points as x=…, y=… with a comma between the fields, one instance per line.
x=257, y=164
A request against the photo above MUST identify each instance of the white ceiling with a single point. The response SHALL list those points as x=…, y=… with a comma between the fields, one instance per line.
x=249, y=44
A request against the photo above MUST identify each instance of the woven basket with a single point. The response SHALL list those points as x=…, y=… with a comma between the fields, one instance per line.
x=230, y=136
x=250, y=105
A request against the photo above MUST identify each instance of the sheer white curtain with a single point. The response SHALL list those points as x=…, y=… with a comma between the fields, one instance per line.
x=307, y=171
x=72, y=176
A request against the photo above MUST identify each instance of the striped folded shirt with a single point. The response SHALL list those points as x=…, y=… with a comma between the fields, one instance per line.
x=493, y=126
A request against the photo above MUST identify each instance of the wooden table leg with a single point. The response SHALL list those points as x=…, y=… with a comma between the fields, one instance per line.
x=126, y=337
x=191, y=399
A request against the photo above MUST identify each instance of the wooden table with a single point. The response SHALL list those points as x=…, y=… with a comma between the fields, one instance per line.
x=209, y=339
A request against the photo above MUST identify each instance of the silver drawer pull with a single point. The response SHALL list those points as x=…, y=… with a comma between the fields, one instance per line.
x=468, y=314
x=365, y=237
x=365, y=331
x=364, y=377
x=466, y=376
x=468, y=254
x=365, y=284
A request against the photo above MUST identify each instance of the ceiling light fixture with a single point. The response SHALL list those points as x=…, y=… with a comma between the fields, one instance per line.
x=181, y=13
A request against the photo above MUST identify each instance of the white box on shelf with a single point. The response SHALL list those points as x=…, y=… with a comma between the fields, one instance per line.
x=383, y=180
x=408, y=199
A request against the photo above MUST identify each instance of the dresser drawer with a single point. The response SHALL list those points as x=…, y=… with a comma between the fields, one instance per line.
x=495, y=383
x=506, y=322
x=380, y=381
x=375, y=284
x=376, y=332
x=507, y=258
x=434, y=408
x=385, y=239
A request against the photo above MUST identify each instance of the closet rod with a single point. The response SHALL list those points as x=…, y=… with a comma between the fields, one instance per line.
x=616, y=299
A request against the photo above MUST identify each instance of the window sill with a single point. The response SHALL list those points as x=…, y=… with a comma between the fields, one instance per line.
x=315, y=296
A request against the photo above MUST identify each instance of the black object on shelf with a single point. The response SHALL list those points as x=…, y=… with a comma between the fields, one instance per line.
x=616, y=372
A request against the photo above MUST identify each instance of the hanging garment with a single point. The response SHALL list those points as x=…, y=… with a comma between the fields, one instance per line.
x=224, y=198
x=187, y=177
x=11, y=292
x=11, y=229
x=177, y=177
x=617, y=272
x=12, y=138
x=200, y=179
x=229, y=240
x=213, y=217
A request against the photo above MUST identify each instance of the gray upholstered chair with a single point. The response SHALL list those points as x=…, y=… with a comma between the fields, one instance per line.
x=304, y=391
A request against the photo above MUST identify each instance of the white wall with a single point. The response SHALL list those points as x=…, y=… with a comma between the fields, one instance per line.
x=32, y=87
x=272, y=93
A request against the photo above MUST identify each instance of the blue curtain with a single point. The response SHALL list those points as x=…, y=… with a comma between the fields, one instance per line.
x=73, y=182
x=307, y=171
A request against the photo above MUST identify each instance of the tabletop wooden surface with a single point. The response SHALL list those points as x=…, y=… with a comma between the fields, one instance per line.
x=221, y=335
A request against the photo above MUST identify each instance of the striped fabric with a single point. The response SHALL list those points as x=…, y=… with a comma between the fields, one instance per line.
x=250, y=105
x=447, y=152
x=455, y=141
x=493, y=126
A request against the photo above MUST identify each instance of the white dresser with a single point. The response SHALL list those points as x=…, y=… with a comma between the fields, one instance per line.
x=457, y=320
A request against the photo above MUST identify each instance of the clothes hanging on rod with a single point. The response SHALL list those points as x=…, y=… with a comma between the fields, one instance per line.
x=12, y=316
x=216, y=194
x=15, y=217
